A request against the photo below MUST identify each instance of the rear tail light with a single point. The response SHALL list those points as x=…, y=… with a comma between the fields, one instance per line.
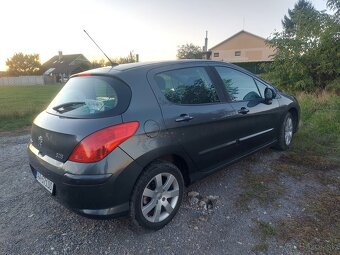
x=99, y=144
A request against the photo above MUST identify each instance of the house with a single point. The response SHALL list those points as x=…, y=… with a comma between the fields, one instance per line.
x=244, y=49
x=61, y=67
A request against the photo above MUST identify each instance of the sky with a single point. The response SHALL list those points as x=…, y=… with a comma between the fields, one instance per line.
x=152, y=28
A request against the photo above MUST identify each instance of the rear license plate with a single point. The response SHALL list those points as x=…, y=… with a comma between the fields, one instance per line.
x=45, y=182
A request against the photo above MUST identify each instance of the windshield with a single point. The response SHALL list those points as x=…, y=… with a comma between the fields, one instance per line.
x=91, y=96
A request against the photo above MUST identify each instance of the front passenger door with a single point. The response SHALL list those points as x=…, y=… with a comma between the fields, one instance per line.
x=255, y=119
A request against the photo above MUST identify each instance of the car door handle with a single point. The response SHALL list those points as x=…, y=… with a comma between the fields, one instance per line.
x=243, y=110
x=184, y=117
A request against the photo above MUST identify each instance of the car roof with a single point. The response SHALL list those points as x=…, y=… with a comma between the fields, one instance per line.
x=155, y=64
x=147, y=66
x=144, y=65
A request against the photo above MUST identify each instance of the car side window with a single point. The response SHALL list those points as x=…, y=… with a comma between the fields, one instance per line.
x=261, y=86
x=187, y=86
x=238, y=85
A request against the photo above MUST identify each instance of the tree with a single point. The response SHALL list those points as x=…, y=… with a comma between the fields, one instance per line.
x=131, y=58
x=98, y=63
x=303, y=6
x=189, y=51
x=334, y=5
x=307, y=50
x=24, y=64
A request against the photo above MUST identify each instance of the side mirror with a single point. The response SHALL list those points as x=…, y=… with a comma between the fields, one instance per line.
x=269, y=94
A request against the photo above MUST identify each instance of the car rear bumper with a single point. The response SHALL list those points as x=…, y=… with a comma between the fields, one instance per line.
x=99, y=189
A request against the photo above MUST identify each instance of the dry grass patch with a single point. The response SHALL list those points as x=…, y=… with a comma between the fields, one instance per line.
x=309, y=161
x=265, y=230
x=295, y=171
x=317, y=232
x=318, y=168
x=263, y=187
x=260, y=247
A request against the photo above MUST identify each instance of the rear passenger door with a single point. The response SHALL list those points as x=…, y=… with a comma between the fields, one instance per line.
x=255, y=120
x=194, y=110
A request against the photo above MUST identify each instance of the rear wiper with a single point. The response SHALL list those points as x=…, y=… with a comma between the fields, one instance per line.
x=62, y=107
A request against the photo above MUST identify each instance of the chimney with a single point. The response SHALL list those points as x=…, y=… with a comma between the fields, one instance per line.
x=206, y=41
x=60, y=55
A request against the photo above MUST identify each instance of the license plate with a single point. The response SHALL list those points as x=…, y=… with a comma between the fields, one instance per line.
x=45, y=182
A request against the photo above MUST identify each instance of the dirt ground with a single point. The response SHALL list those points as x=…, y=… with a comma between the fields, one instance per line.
x=270, y=203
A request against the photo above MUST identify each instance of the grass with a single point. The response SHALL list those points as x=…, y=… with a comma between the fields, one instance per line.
x=299, y=167
x=315, y=147
x=265, y=230
x=317, y=231
x=263, y=187
x=296, y=172
x=314, y=154
x=260, y=247
x=20, y=104
x=319, y=132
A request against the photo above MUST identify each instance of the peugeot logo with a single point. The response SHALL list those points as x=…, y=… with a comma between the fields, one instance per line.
x=40, y=141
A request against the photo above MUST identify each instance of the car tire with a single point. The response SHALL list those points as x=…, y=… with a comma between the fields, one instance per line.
x=157, y=195
x=286, y=133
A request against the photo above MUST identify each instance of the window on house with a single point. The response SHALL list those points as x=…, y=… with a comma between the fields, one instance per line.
x=237, y=53
x=216, y=54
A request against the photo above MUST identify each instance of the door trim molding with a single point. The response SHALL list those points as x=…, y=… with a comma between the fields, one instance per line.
x=217, y=147
x=256, y=134
x=234, y=141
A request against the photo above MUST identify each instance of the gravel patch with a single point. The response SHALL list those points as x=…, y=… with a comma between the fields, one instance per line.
x=208, y=221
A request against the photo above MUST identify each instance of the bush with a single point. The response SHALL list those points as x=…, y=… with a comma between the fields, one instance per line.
x=307, y=50
x=334, y=87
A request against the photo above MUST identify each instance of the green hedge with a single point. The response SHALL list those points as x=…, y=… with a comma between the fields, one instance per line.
x=254, y=67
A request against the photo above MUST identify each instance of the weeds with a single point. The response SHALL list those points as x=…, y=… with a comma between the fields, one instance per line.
x=317, y=232
x=319, y=132
x=265, y=230
x=263, y=187
x=260, y=247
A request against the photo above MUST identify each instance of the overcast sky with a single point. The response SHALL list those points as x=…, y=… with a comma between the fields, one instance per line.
x=151, y=28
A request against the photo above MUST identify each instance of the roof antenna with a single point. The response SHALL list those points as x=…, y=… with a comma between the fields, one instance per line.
x=112, y=63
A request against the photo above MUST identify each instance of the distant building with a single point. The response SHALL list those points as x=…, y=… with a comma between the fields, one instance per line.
x=3, y=74
x=244, y=49
x=61, y=67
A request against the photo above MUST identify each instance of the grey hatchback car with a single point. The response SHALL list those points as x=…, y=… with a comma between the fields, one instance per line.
x=127, y=139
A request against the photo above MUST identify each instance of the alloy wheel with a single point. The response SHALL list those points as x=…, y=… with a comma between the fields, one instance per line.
x=160, y=197
x=288, y=130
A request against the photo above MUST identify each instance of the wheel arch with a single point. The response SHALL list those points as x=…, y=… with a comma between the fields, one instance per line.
x=180, y=163
x=174, y=158
x=295, y=115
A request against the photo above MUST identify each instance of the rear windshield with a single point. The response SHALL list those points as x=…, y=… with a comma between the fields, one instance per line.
x=91, y=97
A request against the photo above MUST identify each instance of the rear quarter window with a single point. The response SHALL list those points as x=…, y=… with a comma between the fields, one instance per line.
x=91, y=97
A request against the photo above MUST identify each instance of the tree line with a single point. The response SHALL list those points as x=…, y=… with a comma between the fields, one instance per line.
x=21, y=64
x=307, y=51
